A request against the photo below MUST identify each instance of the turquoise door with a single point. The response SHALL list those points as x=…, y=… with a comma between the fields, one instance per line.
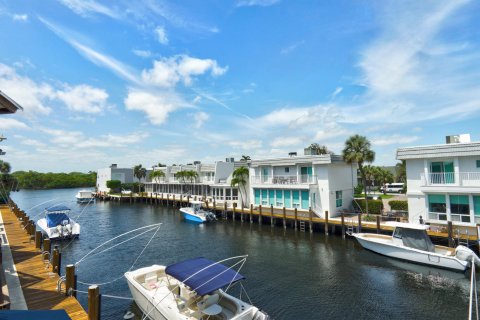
x=305, y=199
x=288, y=201
x=279, y=194
x=257, y=196
x=271, y=197
x=296, y=198
x=264, y=196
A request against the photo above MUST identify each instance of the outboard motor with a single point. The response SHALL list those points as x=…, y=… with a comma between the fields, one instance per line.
x=59, y=230
x=466, y=254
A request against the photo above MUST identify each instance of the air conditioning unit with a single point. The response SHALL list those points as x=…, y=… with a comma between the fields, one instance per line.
x=230, y=160
x=458, y=138
x=196, y=162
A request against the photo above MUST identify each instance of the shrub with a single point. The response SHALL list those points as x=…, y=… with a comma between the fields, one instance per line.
x=369, y=217
x=114, y=184
x=358, y=189
x=401, y=205
x=374, y=206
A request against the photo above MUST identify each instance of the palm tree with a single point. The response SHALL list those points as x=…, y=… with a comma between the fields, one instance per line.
x=357, y=150
x=4, y=167
x=240, y=179
x=401, y=172
x=384, y=176
x=245, y=158
x=318, y=149
x=139, y=172
x=370, y=174
x=156, y=175
x=191, y=175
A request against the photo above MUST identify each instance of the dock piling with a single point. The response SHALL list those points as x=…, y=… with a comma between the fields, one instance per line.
x=271, y=215
x=284, y=218
x=46, y=245
x=70, y=281
x=343, y=224
x=359, y=222
x=451, y=241
x=326, y=223
x=93, y=303
x=378, y=223
x=296, y=218
x=56, y=261
x=38, y=240
x=251, y=212
x=260, y=214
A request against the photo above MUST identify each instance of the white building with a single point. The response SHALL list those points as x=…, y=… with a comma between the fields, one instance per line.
x=124, y=175
x=443, y=181
x=321, y=182
x=213, y=181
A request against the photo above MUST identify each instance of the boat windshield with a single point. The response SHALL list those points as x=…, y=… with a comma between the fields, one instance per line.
x=414, y=238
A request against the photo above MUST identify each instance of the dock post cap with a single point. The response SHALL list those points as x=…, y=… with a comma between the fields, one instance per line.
x=93, y=286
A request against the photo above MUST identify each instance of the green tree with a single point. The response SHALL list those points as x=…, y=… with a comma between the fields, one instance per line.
x=156, y=175
x=114, y=185
x=384, y=176
x=4, y=167
x=401, y=172
x=240, y=180
x=318, y=149
x=358, y=150
x=139, y=172
x=370, y=175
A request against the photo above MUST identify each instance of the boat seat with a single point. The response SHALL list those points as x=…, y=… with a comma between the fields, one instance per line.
x=208, y=301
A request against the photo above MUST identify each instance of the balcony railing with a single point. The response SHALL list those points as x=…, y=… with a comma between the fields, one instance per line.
x=463, y=179
x=290, y=179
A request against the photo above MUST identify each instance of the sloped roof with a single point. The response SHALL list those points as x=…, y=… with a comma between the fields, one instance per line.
x=7, y=105
x=439, y=151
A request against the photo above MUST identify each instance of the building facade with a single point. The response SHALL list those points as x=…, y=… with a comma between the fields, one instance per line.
x=320, y=182
x=443, y=182
x=124, y=175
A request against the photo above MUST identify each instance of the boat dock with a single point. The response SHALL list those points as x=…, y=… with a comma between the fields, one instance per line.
x=299, y=219
x=32, y=282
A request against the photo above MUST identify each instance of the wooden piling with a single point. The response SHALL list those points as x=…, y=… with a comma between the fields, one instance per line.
x=378, y=223
x=234, y=206
x=93, y=303
x=70, y=283
x=296, y=218
x=46, y=245
x=173, y=201
x=251, y=213
x=225, y=210
x=359, y=222
x=284, y=218
x=214, y=205
x=326, y=223
x=343, y=224
x=56, y=261
x=243, y=211
x=271, y=215
x=451, y=242
x=38, y=240
x=260, y=214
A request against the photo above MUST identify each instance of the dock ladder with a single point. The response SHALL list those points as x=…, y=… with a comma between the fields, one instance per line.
x=461, y=241
x=302, y=225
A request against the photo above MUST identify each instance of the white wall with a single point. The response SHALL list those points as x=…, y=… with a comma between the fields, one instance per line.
x=223, y=171
x=415, y=169
x=468, y=164
x=342, y=177
x=417, y=206
x=103, y=175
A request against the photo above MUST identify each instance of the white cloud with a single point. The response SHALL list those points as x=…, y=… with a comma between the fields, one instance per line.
x=7, y=124
x=251, y=3
x=292, y=47
x=167, y=72
x=393, y=139
x=246, y=144
x=33, y=143
x=156, y=105
x=20, y=17
x=287, y=141
x=142, y=53
x=32, y=96
x=200, y=118
x=86, y=7
x=84, y=98
x=161, y=35
x=337, y=91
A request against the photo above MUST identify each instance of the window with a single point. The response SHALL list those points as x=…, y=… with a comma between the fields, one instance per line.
x=437, y=207
x=478, y=163
x=476, y=208
x=296, y=198
x=279, y=194
x=287, y=170
x=257, y=196
x=397, y=233
x=442, y=172
x=264, y=197
x=459, y=208
x=338, y=199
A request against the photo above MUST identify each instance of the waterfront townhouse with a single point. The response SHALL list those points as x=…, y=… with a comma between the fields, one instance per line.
x=124, y=175
x=213, y=181
x=320, y=182
x=443, y=181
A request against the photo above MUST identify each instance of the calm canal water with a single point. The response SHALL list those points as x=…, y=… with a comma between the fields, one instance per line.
x=291, y=275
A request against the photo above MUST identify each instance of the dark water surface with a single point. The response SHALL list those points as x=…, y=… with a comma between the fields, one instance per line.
x=291, y=275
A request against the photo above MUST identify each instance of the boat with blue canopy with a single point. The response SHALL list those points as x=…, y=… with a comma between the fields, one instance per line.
x=191, y=289
x=57, y=223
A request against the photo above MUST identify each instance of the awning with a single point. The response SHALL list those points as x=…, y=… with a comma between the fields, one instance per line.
x=213, y=277
x=55, y=219
x=57, y=208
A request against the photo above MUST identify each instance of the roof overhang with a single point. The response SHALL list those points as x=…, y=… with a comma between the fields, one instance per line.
x=8, y=105
x=439, y=151
x=291, y=161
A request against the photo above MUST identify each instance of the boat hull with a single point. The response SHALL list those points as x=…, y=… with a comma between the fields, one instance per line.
x=85, y=200
x=190, y=216
x=412, y=255
x=54, y=234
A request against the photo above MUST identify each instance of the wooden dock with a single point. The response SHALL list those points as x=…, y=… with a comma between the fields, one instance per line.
x=38, y=283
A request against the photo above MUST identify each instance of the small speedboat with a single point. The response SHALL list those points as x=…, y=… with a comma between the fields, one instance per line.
x=84, y=196
x=189, y=290
x=57, y=224
x=195, y=213
x=411, y=242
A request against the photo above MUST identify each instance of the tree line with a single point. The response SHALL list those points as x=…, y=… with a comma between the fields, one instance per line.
x=38, y=180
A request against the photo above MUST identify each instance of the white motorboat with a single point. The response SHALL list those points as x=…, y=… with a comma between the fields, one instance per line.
x=411, y=242
x=195, y=213
x=57, y=224
x=84, y=196
x=189, y=290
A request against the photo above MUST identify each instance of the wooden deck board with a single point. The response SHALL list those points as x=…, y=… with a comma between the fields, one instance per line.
x=39, y=285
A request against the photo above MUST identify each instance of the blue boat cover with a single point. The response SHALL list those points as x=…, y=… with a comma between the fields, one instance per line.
x=215, y=276
x=34, y=315
x=54, y=219
x=57, y=208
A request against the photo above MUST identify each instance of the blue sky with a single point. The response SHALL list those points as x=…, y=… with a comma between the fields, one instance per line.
x=148, y=81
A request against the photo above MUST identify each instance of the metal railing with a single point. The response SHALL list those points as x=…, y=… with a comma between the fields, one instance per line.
x=467, y=179
x=284, y=179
